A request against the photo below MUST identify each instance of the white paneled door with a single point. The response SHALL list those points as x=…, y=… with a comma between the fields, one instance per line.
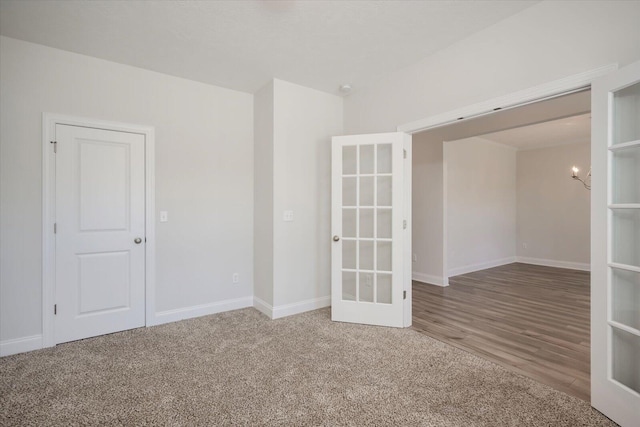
x=371, y=235
x=615, y=222
x=100, y=232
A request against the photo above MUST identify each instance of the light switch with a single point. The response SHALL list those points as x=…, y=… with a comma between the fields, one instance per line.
x=164, y=216
x=287, y=216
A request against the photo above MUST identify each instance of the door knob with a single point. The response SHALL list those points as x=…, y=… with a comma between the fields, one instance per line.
x=336, y=238
x=137, y=240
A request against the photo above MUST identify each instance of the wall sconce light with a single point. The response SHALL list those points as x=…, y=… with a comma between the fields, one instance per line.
x=586, y=182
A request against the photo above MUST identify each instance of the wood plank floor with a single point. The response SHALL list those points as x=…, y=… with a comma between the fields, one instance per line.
x=530, y=319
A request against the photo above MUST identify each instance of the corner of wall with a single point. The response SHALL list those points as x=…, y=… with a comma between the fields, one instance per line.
x=263, y=128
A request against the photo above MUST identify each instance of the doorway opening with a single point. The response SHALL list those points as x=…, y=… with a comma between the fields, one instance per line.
x=502, y=231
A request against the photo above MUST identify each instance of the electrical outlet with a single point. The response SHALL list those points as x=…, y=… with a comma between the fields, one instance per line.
x=415, y=258
x=164, y=216
x=287, y=216
x=235, y=278
x=524, y=245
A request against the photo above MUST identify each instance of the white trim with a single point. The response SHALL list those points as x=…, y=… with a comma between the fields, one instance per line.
x=300, y=307
x=624, y=145
x=481, y=266
x=512, y=100
x=445, y=214
x=150, y=225
x=177, y=314
x=624, y=267
x=407, y=236
x=49, y=122
x=554, y=263
x=20, y=345
x=430, y=279
x=263, y=307
x=290, y=309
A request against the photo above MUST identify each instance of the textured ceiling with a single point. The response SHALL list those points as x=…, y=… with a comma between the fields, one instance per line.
x=243, y=44
x=569, y=130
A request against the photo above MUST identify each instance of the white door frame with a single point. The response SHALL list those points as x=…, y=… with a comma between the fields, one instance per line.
x=537, y=93
x=49, y=122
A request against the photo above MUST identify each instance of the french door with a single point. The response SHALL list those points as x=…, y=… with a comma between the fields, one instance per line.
x=615, y=243
x=371, y=235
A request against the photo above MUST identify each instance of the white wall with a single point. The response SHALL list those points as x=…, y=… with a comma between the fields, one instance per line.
x=427, y=209
x=204, y=174
x=480, y=197
x=304, y=120
x=543, y=43
x=553, y=215
x=263, y=195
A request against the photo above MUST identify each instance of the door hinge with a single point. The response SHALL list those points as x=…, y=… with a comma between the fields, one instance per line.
x=55, y=146
x=404, y=153
x=404, y=224
x=55, y=309
x=404, y=294
x=55, y=227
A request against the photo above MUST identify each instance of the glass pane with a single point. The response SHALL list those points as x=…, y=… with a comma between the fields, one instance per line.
x=349, y=254
x=384, y=190
x=626, y=175
x=625, y=225
x=366, y=158
x=366, y=222
x=626, y=110
x=349, y=285
x=366, y=191
x=626, y=297
x=384, y=256
x=349, y=195
x=349, y=223
x=626, y=358
x=383, y=288
x=384, y=158
x=384, y=223
x=349, y=158
x=366, y=255
x=366, y=287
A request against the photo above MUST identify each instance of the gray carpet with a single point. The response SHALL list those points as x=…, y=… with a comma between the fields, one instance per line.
x=240, y=368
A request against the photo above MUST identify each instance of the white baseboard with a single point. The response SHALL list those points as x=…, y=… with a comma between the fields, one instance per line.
x=300, y=307
x=20, y=345
x=481, y=266
x=554, y=263
x=201, y=310
x=263, y=307
x=290, y=309
x=430, y=279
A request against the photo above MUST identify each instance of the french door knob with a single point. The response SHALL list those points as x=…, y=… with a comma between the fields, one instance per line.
x=137, y=240
x=336, y=238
